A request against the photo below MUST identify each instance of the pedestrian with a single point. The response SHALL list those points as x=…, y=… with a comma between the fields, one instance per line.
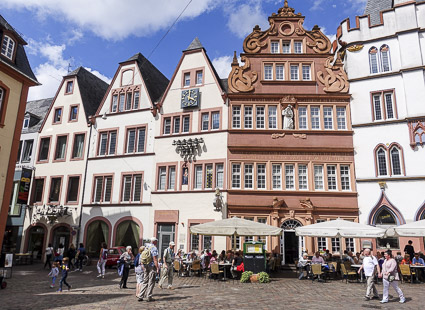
x=54, y=272
x=65, y=269
x=149, y=259
x=167, y=267
x=71, y=255
x=408, y=249
x=369, y=266
x=101, y=263
x=303, y=264
x=126, y=257
x=49, y=254
x=138, y=269
x=59, y=253
x=390, y=277
x=81, y=254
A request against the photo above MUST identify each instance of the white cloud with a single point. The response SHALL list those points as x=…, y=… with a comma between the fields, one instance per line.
x=73, y=36
x=356, y=5
x=317, y=5
x=244, y=17
x=331, y=37
x=99, y=75
x=115, y=20
x=223, y=65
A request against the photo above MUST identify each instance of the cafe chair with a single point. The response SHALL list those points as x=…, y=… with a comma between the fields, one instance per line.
x=346, y=273
x=177, y=267
x=333, y=269
x=316, y=270
x=215, y=269
x=196, y=266
x=406, y=272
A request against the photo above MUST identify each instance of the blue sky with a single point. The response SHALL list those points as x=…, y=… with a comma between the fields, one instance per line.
x=98, y=34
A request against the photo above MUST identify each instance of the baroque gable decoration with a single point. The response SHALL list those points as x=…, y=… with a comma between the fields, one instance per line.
x=336, y=80
x=238, y=80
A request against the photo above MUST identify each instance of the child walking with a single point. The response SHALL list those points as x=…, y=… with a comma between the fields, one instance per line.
x=65, y=269
x=54, y=273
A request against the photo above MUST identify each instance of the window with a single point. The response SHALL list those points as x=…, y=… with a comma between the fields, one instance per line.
x=136, y=100
x=395, y=161
x=315, y=117
x=345, y=177
x=167, y=125
x=186, y=123
x=7, y=47
x=176, y=126
x=331, y=171
x=215, y=120
x=128, y=101
x=274, y=47
x=298, y=47
x=328, y=118
x=286, y=47
x=280, y=72
x=136, y=140
x=302, y=117
x=340, y=116
x=199, y=77
x=171, y=178
x=26, y=120
x=385, y=58
x=132, y=188
x=108, y=143
x=382, y=161
x=306, y=72
x=78, y=147
x=73, y=113
x=73, y=187
x=294, y=73
x=43, y=152
x=205, y=121
x=236, y=117
x=349, y=244
x=60, y=147
x=268, y=72
x=261, y=176
x=38, y=190
x=27, y=151
x=121, y=103
x=373, y=60
x=248, y=176
x=377, y=107
x=114, y=103
x=194, y=240
x=318, y=177
x=219, y=175
x=272, y=117
x=321, y=244
x=277, y=176
x=383, y=105
x=103, y=189
x=186, y=81
x=289, y=177
x=162, y=176
x=209, y=176
x=302, y=177
x=248, y=118
x=263, y=239
x=260, y=118
x=69, y=87
x=236, y=176
x=198, y=177
x=336, y=245
x=249, y=238
x=57, y=118
x=389, y=105
x=55, y=186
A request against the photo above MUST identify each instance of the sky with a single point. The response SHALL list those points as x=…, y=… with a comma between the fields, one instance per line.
x=98, y=34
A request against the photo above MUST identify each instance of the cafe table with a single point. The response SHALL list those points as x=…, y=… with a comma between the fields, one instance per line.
x=224, y=265
x=187, y=263
x=417, y=267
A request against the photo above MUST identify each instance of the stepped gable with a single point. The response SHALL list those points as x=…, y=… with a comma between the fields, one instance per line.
x=92, y=89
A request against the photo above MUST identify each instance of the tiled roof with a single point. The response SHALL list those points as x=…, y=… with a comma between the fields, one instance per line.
x=374, y=7
x=196, y=44
x=38, y=110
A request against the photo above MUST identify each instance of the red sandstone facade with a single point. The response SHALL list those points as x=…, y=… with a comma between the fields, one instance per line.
x=290, y=171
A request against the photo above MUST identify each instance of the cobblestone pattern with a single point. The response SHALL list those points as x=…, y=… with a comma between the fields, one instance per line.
x=29, y=289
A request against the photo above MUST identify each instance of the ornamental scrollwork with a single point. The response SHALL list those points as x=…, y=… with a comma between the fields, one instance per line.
x=321, y=43
x=238, y=80
x=252, y=43
x=355, y=48
x=336, y=80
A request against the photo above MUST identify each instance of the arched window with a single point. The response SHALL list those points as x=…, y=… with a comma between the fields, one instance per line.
x=7, y=47
x=127, y=233
x=395, y=161
x=385, y=217
x=385, y=58
x=381, y=159
x=290, y=225
x=97, y=232
x=373, y=60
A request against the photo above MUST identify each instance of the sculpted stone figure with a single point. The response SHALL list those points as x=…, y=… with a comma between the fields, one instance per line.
x=288, y=117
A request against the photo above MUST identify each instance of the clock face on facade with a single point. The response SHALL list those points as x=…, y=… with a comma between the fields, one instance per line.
x=190, y=98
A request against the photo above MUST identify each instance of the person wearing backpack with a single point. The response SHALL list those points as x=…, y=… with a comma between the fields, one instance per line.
x=138, y=269
x=167, y=268
x=126, y=258
x=101, y=263
x=149, y=259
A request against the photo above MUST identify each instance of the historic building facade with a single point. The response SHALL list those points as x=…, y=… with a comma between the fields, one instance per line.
x=16, y=77
x=120, y=171
x=384, y=59
x=290, y=145
x=60, y=164
x=190, y=152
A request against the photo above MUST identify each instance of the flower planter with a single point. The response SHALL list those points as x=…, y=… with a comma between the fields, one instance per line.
x=254, y=278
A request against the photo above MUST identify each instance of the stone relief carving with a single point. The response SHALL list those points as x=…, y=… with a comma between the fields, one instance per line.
x=286, y=11
x=306, y=203
x=278, y=135
x=321, y=44
x=336, y=80
x=299, y=135
x=355, y=48
x=238, y=80
x=252, y=43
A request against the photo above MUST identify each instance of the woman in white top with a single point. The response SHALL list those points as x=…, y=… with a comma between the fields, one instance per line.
x=49, y=254
x=101, y=263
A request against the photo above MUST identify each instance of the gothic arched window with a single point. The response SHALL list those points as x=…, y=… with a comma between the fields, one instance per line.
x=385, y=58
x=395, y=161
x=381, y=160
x=373, y=60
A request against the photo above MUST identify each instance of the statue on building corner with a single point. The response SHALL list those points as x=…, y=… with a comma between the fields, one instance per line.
x=288, y=117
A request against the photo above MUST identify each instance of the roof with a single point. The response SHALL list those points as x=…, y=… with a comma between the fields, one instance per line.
x=92, y=89
x=4, y=24
x=374, y=7
x=38, y=110
x=154, y=80
x=196, y=44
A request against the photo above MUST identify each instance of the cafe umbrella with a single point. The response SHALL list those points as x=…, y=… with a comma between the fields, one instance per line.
x=414, y=229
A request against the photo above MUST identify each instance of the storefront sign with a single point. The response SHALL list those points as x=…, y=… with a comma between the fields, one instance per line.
x=8, y=260
x=24, y=186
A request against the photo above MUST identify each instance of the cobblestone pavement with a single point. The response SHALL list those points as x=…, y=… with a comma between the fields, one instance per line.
x=29, y=289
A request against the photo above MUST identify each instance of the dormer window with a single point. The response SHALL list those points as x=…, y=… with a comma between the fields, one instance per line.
x=26, y=122
x=7, y=47
x=69, y=87
x=187, y=79
x=57, y=117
